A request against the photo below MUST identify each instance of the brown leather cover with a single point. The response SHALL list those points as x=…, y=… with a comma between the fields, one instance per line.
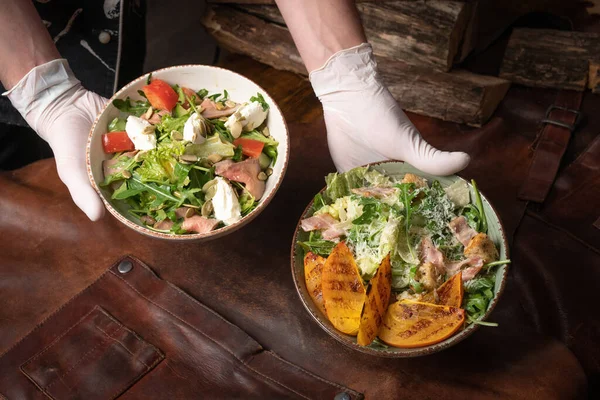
x=552, y=145
x=178, y=348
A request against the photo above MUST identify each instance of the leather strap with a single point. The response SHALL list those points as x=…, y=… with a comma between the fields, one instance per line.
x=560, y=121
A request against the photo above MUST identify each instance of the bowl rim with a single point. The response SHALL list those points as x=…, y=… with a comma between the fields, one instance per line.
x=192, y=236
x=308, y=304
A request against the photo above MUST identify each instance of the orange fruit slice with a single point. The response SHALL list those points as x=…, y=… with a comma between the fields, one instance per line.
x=378, y=299
x=343, y=290
x=313, y=273
x=409, y=323
x=449, y=294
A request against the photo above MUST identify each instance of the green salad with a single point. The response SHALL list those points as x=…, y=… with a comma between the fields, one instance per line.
x=186, y=161
x=430, y=232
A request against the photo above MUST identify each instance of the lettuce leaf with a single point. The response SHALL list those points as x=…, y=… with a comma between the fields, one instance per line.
x=169, y=124
x=340, y=184
x=212, y=145
x=117, y=125
x=159, y=164
x=256, y=135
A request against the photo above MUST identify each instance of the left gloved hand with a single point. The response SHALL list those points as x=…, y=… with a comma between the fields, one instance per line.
x=61, y=111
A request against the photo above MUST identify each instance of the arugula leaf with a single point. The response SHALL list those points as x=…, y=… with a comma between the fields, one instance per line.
x=371, y=210
x=318, y=246
x=318, y=202
x=123, y=192
x=471, y=214
x=149, y=78
x=129, y=106
x=160, y=191
x=202, y=93
x=479, y=291
x=237, y=156
x=199, y=178
x=225, y=95
x=214, y=97
x=272, y=152
x=260, y=99
x=123, y=163
x=221, y=129
x=407, y=195
x=117, y=125
x=479, y=203
x=247, y=203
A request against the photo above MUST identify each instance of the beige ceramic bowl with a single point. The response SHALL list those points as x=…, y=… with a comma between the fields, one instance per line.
x=196, y=77
x=495, y=232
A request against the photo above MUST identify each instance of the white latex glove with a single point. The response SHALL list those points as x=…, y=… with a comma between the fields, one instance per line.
x=61, y=111
x=365, y=123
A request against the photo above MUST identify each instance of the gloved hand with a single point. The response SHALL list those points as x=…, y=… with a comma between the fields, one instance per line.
x=61, y=111
x=365, y=123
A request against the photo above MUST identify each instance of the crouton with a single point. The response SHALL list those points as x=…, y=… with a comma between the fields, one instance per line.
x=417, y=180
x=482, y=246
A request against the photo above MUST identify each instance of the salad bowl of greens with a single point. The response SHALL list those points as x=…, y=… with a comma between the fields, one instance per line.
x=395, y=262
x=189, y=152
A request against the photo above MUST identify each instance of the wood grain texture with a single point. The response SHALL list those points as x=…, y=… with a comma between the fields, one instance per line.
x=551, y=58
x=457, y=96
x=427, y=33
x=244, y=33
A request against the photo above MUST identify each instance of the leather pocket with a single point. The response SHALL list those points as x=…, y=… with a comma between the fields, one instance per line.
x=97, y=358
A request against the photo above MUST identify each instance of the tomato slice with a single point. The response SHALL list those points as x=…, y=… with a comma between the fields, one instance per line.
x=250, y=147
x=114, y=142
x=160, y=95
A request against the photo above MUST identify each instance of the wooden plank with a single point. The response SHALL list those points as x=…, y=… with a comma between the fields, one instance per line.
x=458, y=96
x=427, y=33
x=550, y=58
x=243, y=33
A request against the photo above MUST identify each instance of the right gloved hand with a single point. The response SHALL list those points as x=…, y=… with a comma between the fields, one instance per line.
x=61, y=111
x=365, y=123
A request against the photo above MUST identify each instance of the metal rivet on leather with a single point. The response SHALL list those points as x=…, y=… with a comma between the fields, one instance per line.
x=104, y=37
x=342, y=396
x=125, y=267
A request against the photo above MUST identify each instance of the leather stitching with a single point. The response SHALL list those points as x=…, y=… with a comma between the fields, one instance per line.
x=313, y=375
x=68, y=371
x=115, y=340
x=38, y=326
x=56, y=340
x=135, y=378
x=208, y=337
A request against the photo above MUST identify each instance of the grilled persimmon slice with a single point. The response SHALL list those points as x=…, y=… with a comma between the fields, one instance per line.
x=343, y=290
x=376, y=304
x=449, y=294
x=410, y=324
x=313, y=274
